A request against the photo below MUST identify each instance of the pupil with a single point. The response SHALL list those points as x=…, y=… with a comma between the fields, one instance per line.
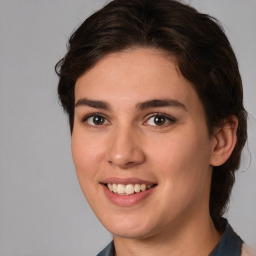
x=98, y=120
x=159, y=120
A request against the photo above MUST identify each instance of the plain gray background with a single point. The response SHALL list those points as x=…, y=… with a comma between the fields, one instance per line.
x=42, y=210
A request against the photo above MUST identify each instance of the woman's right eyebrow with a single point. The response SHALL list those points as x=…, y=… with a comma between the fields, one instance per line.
x=93, y=104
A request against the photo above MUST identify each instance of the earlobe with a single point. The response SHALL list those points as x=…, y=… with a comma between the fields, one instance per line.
x=224, y=141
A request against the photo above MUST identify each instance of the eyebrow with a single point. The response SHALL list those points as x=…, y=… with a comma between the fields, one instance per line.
x=93, y=103
x=140, y=106
x=160, y=103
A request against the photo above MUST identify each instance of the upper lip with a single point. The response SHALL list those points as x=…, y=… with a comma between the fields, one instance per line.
x=126, y=181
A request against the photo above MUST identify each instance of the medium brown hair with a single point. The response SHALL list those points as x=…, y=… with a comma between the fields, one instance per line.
x=204, y=57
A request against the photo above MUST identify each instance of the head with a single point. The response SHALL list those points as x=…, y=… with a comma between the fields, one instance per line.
x=201, y=51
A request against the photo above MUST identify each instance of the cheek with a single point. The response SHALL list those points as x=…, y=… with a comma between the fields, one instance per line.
x=86, y=150
x=84, y=161
x=181, y=150
x=85, y=153
x=184, y=173
x=183, y=161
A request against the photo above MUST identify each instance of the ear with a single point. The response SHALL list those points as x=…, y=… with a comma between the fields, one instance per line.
x=224, y=141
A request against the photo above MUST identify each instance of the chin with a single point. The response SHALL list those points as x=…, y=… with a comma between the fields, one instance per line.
x=128, y=228
x=130, y=233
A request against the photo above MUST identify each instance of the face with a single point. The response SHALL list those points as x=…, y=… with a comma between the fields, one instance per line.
x=140, y=144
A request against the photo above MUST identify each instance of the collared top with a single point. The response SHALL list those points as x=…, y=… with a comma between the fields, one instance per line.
x=229, y=244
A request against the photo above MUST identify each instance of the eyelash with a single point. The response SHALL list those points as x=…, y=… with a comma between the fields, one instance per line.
x=86, y=118
x=166, y=117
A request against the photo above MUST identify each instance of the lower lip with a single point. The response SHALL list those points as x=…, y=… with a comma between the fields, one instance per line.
x=127, y=200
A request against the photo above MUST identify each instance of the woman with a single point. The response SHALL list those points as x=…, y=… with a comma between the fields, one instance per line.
x=155, y=104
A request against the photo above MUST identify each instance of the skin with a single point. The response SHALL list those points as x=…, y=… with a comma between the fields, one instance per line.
x=176, y=154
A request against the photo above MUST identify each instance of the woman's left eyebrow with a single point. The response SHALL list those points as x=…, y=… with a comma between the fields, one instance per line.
x=160, y=103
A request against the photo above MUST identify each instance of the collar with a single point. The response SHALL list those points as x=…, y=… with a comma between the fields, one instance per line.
x=229, y=244
x=109, y=250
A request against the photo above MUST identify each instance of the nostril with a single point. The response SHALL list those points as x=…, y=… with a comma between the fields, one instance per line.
x=124, y=151
x=123, y=164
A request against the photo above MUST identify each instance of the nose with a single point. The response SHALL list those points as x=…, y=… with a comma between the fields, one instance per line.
x=125, y=149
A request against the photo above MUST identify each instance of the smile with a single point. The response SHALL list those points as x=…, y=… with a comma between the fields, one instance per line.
x=128, y=189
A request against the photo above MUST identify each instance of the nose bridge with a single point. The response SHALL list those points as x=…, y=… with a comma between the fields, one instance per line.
x=125, y=150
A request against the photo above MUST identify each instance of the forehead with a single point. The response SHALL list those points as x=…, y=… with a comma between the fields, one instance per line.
x=133, y=76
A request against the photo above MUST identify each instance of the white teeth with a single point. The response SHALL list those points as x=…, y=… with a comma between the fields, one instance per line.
x=137, y=188
x=114, y=188
x=143, y=187
x=128, y=189
x=120, y=189
x=110, y=187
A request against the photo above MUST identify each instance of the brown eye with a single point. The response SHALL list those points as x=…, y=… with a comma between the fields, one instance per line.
x=159, y=120
x=98, y=120
x=95, y=120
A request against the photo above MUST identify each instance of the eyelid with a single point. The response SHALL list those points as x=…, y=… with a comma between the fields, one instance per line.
x=86, y=117
x=170, y=118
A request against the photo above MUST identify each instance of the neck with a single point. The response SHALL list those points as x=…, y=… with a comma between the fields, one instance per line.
x=191, y=239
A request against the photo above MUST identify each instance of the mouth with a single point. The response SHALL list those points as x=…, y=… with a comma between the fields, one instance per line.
x=127, y=192
x=128, y=189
